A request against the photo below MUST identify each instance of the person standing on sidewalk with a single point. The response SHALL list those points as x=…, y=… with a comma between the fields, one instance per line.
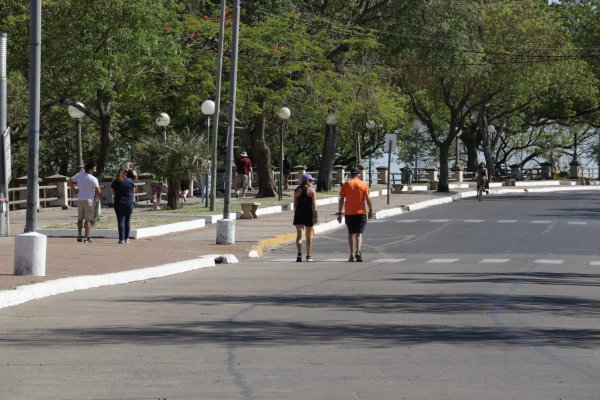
x=157, y=185
x=87, y=190
x=122, y=189
x=243, y=169
x=305, y=215
x=353, y=196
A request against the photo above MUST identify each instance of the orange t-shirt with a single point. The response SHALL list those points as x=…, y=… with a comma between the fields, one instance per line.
x=355, y=191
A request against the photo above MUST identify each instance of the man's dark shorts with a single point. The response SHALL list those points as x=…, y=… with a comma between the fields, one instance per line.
x=356, y=223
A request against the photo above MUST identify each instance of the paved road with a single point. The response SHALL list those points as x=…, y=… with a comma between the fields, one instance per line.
x=490, y=300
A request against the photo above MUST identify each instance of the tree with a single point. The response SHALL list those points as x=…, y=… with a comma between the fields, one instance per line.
x=177, y=157
x=108, y=53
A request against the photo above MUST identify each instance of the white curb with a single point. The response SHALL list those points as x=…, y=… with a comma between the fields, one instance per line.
x=25, y=293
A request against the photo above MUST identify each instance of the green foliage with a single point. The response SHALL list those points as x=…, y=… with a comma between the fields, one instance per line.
x=176, y=157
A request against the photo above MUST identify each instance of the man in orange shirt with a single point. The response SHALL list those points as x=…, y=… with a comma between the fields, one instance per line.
x=353, y=195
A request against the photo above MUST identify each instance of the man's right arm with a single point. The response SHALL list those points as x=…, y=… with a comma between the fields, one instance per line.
x=340, y=207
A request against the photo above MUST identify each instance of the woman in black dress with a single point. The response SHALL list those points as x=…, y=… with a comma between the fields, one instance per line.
x=305, y=214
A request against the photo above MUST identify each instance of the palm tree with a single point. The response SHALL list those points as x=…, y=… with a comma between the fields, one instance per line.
x=177, y=157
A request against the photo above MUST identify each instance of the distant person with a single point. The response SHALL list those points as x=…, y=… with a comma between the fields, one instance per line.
x=88, y=190
x=305, y=215
x=353, y=196
x=122, y=188
x=184, y=189
x=157, y=185
x=481, y=176
x=287, y=169
x=243, y=169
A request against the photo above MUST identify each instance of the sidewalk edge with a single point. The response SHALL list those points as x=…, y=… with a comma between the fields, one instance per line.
x=26, y=293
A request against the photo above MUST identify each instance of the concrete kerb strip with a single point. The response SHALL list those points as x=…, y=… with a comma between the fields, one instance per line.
x=25, y=293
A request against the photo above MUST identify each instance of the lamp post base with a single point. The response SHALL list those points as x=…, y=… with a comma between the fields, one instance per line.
x=226, y=231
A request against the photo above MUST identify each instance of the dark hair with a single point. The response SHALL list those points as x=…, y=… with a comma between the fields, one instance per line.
x=89, y=165
x=354, y=172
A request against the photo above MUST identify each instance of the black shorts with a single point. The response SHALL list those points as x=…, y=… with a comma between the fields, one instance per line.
x=356, y=223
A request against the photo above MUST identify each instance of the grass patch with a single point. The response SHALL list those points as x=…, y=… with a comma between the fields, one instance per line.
x=137, y=222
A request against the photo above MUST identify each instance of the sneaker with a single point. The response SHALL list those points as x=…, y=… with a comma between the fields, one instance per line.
x=299, y=257
x=87, y=240
x=126, y=241
x=351, y=259
x=309, y=259
x=358, y=257
x=120, y=242
x=79, y=238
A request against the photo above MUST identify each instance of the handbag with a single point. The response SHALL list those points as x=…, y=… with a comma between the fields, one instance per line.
x=97, y=210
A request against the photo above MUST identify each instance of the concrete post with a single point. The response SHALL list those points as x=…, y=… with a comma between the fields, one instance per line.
x=546, y=170
x=516, y=172
x=338, y=174
x=298, y=171
x=146, y=179
x=226, y=231
x=30, y=254
x=382, y=175
x=431, y=174
x=458, y=173
x=61, y=191
x=575, y=169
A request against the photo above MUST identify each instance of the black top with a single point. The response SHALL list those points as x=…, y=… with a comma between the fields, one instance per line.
x=303, y=213
x=123, y=191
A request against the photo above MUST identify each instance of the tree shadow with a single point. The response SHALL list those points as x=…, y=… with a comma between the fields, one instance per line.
x=378, y=332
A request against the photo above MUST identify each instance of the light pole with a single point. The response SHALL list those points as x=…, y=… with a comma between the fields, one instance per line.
x=598, y=154
x=75, y=111
x=3, y=126
x=457, y=152
x=284, y=113
x=208, y=109
x=163, y=120
x=370, y=124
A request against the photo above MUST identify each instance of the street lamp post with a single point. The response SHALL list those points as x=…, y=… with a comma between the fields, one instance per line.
x=76, y=112
x=370, y=124
x=284, y=114
x=457, y=151
x=208, y=109
x=163, y=120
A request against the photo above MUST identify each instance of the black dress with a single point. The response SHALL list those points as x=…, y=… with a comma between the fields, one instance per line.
x=303, y=214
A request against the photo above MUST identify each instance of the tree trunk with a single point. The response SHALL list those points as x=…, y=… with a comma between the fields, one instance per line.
x=443, y=176
x=262, y=158
x=471, y=141
x=488, y=150
x=103, y=104
x=172, y=194
x=328, y=158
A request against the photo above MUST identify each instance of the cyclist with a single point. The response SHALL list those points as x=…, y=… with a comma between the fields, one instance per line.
x=481, y=177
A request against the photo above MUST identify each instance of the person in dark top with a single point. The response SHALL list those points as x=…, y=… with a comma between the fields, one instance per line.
x=287, y=168
x=122, y=189
x=305, y=214
x=243, y=170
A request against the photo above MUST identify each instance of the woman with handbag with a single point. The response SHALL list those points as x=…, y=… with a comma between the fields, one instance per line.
x=305, y=214
x=122, y=189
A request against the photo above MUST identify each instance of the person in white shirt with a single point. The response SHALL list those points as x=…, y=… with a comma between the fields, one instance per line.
x=87, y=190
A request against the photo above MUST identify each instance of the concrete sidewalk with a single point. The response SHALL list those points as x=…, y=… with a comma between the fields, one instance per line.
x=177, y=252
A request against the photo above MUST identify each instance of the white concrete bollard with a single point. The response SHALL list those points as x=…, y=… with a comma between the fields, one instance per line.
x=226, y=231
x=30, y=254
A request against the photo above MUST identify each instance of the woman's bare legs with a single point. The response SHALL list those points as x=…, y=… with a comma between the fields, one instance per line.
x=299, y=229
x=309, y=235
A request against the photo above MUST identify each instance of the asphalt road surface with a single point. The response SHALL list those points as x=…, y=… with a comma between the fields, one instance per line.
x=497, y=299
